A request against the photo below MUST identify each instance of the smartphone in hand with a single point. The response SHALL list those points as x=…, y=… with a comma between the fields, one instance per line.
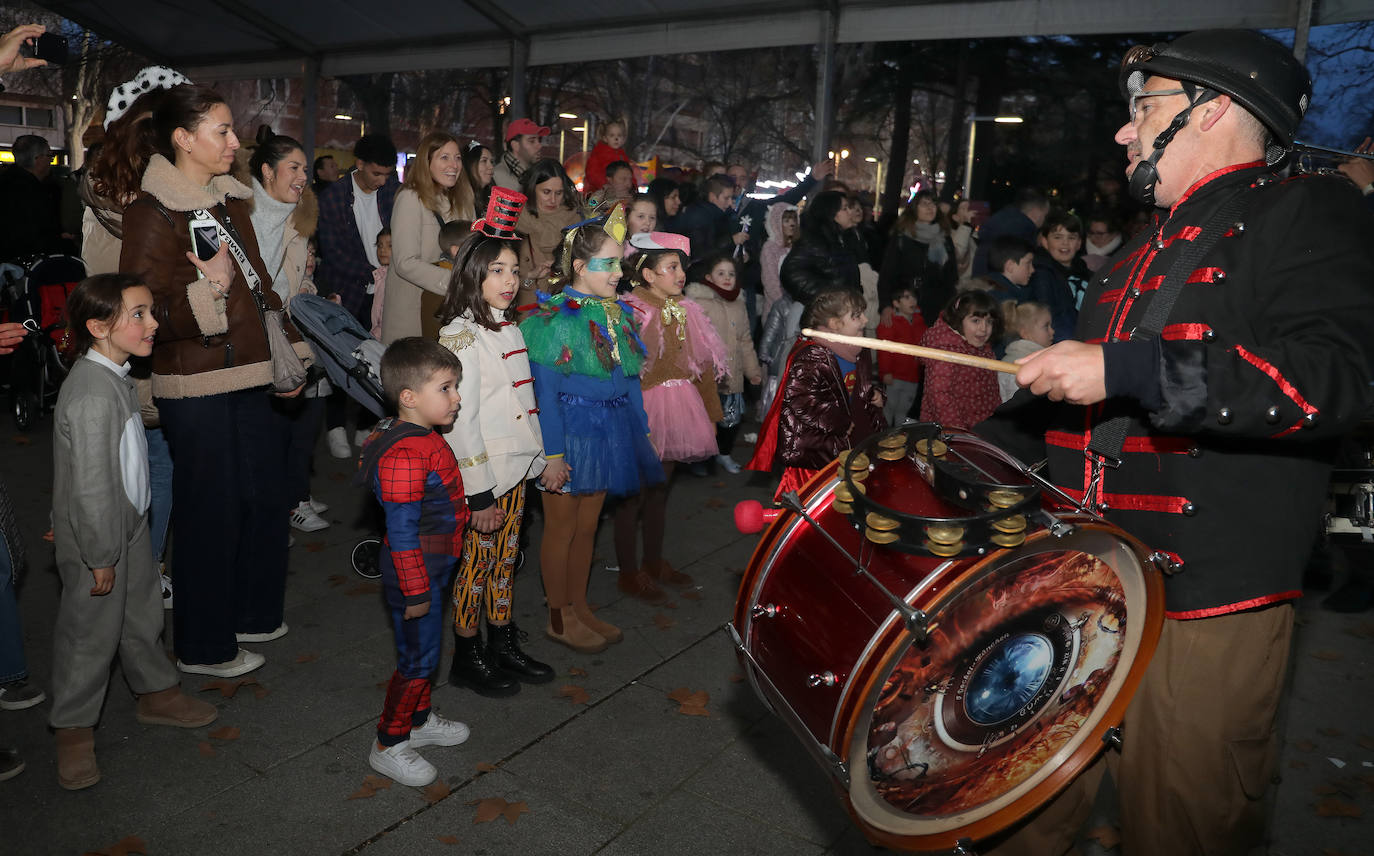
x=205, y=238
x=49, y=47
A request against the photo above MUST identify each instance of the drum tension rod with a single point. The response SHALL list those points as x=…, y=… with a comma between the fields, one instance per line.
x=916, y=621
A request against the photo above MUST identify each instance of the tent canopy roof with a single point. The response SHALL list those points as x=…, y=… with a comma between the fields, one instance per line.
x=271, y=38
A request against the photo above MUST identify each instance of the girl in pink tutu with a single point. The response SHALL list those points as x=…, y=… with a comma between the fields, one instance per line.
x=683, y=360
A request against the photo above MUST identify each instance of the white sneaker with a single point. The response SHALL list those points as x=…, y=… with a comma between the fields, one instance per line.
x=245, y=662
x=166, y=591
x=338, y=443
x=728, y=464
x=438, y=731
x=305, y=518
x=319, y=507
x=360, y=436
x=263, y=637
x=403, y=764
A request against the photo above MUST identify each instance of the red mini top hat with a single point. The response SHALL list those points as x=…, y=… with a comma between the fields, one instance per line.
x=503, y=209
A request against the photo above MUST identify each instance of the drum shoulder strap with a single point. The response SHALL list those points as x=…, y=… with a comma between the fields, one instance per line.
x=1109, y=437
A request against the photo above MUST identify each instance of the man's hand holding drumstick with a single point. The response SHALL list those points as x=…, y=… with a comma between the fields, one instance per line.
x=1067, y=371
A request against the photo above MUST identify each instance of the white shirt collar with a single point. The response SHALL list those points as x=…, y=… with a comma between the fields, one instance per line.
x=100, y=359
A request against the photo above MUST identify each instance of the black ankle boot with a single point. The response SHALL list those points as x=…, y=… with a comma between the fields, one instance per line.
x=503, y=646
x=474, y=668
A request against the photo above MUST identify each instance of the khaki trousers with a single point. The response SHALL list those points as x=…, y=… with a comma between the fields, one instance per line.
x=1199, y=746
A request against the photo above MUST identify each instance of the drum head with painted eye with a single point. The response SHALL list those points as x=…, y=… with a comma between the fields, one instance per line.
x=970, y=728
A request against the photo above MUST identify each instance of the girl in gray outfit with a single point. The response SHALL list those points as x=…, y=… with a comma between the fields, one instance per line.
x=111, y=593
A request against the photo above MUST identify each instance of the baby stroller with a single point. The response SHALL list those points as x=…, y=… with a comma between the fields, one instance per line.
x=34, y=292
x=352, y=360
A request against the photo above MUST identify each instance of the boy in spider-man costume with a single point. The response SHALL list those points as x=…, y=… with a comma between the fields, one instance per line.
x=415, y=477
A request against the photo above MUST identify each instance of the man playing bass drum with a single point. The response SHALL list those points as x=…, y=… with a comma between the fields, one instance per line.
x=1206, y=427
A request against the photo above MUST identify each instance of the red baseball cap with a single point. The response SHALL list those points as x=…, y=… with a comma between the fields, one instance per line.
x=524, y=126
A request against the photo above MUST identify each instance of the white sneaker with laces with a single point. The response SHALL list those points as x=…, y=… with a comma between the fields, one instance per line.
x=338, y=443
x=728, y=464
x=320, y=507
x=245, y=662
x=438, y=731
x=402, y=764
x=305, y=518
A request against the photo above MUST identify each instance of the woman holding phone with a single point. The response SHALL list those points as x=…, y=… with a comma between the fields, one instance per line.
x=189, y=234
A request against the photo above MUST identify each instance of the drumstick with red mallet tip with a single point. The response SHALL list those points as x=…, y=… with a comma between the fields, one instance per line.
x=915, y=351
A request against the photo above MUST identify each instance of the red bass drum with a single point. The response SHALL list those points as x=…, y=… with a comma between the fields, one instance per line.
x=951, y=638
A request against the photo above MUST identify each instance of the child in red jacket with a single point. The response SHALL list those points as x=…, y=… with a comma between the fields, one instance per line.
x=609, y=148
x=901, y=373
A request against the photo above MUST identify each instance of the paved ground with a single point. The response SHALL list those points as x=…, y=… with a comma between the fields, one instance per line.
x=622, y=774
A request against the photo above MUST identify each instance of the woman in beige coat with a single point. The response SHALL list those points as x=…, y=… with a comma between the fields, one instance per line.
x=427, y=199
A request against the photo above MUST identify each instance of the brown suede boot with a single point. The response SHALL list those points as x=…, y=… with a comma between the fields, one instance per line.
x=76, y=767
x=640, y=585
x=173, y=707
x=605, y=630
x=666, y=573
x=565, y=627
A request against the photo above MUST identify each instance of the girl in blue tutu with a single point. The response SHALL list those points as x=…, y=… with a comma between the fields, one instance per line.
x=585, y=355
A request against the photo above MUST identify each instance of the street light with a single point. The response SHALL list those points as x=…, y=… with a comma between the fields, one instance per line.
x=877, y=184
x=561, y=133
x=972, y=136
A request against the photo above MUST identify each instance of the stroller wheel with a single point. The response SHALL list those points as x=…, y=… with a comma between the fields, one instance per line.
x=25, y=410
x=367, y=558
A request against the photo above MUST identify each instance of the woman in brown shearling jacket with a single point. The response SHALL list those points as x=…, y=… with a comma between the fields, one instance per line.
x=211, y=371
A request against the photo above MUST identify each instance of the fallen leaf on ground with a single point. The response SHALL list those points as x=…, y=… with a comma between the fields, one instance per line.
x=1304, y=745
x=227, y=688
x=446, y=839
x=437, y=791
x=307, y=658
x=1108, y=836
x=366, y=792
x=336, y=580
x=362, y=589
x=228, y=732
x=123, y=847
x=691, y=594
x=718, y=484
x=715, y=502
x=1364, y=630
x=484, y=767
x=206, y=750
x=315, y=547
x=574, y=694
x=736, y=677
x=577, y=672
x=691, y=703
x=1330, y=732
x=663, y=622
x=1332, y=807
x=1366, y=741
x=493, y=807
x=260, y=692
x=1328, y=655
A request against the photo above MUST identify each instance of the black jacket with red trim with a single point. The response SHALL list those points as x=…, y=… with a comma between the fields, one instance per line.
x=1266, y=360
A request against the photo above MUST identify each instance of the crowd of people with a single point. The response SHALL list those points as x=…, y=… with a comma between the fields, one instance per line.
x=565, y=348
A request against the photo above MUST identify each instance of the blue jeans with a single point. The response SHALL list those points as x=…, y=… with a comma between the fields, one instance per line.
x=13, y=667
x=160, y=481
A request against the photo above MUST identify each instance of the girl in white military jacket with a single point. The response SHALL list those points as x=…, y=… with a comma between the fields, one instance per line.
x=498, y=445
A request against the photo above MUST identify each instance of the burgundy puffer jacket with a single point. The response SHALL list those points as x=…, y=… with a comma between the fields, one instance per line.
x=819, y=418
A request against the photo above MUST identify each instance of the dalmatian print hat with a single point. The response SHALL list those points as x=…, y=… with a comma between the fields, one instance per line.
x=150, y=78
